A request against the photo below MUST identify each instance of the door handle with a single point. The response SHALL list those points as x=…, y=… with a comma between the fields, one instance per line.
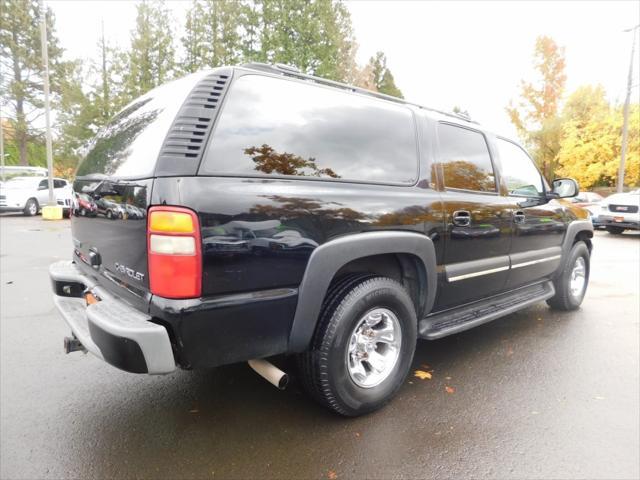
x=461, y=218
x=518, y=216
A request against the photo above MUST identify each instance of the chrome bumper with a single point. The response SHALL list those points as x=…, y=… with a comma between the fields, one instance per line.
x=110, y=329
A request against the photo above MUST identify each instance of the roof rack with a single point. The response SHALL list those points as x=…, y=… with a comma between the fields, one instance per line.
x=290, y=71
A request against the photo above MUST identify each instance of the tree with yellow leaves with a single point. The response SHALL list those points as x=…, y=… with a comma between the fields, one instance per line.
x=535, y=114
x=591, y=140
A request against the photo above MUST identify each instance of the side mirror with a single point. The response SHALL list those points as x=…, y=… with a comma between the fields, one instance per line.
x=564, y=188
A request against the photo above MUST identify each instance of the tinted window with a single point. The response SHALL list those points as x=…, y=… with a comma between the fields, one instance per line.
x=519, y=172
x=58, y=183
x=43, y=184
x=129, y=145
x=465, y=159
x=279, y=127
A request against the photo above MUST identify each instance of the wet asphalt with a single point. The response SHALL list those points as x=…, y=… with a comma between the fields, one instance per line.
x=537, y=394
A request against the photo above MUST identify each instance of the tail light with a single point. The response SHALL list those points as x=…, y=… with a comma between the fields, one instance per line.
x=174, y=254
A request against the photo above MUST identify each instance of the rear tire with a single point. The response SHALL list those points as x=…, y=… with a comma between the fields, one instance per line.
x=571, y=284
x=363, y=345
x=615, y=230
x=31, y=208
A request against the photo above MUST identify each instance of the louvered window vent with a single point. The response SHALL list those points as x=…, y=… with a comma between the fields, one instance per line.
x=187, y=136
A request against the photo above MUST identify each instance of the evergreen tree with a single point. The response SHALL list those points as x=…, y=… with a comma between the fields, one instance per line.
x=151, y=58
x=21, y=61
x=214, y=34
x=194, y=42
x=382, y=77
x=315, y=36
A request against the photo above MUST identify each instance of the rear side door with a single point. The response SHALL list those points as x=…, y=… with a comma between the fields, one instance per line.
x=539, y=224
x=42, y=194
x=477, y=218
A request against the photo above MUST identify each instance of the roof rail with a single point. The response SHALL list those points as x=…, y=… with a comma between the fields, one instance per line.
x=290, y=71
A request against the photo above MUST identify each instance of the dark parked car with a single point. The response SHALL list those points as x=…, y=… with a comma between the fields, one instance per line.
x=109, y=208
x=288, y=214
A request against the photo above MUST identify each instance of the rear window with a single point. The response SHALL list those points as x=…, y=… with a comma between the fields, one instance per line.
x=271, y=126
x=129, y=145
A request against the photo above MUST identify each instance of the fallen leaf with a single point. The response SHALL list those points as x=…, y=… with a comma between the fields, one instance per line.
x=422, y=375
x=534, y=412
x=410, y=383
x=426, y=367
x=194, y=410
x=332, y=475
x=509, y=352
x=449, y=389
x=357, y=434
x=599, y=397
x=447, y=378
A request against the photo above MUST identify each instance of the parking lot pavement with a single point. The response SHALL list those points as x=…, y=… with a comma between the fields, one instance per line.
x=536, y=394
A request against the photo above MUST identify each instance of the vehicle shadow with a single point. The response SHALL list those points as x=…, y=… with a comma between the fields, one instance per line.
x=229, y=422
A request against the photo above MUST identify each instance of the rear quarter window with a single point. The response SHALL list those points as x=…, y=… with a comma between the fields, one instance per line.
x=271, y=126
x=128, y=146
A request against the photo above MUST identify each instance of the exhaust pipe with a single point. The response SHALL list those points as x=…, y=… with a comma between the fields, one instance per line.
x=270, y=373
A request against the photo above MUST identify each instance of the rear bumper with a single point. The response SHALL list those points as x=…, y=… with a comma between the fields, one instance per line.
x=110, y=329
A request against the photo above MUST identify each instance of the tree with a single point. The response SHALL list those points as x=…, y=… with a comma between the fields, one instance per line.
x=591, y=142
x=460, y=111
x=81, y=111
x=314, y=36
x=269, y=161
x=21, y=60
x=107, y=92
x=382, y=77
x=151, y=58
x=214, y=32
x=535, y=115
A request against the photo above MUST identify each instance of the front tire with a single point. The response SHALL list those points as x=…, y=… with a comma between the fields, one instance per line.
x=571, y=284
x=363, y=346
x=31, y=207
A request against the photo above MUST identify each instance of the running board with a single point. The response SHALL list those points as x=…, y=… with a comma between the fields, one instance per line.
x=457, y=320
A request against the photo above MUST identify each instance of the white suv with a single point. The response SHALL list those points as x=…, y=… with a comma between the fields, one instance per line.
x=29, y=194
x=620, y=212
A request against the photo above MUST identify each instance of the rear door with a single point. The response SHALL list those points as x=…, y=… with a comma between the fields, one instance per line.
x=42, y=194
x=539, y=225
x=478, y=222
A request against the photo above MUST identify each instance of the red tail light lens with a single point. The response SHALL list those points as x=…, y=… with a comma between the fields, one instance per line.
x=174, y=254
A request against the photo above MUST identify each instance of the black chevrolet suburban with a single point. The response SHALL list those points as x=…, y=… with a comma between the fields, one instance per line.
x=250, y=212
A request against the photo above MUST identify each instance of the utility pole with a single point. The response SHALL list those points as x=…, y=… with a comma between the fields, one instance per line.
x=47, y=106
x=625, y=122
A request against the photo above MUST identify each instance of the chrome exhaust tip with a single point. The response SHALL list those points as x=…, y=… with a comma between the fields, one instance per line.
x=270, y=373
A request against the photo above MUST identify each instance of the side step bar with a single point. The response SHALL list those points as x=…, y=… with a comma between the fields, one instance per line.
x=457, y=320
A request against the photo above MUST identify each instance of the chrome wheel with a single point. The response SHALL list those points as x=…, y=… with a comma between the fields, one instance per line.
x=374, y=347
x=578, y=277
x=33, y=208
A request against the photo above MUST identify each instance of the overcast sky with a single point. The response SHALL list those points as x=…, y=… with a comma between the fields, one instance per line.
x=471, y=54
